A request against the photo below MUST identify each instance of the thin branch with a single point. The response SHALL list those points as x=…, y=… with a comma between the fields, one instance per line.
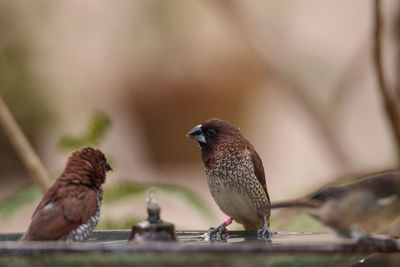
x=23, y=147
x=390, y=103
x=397, y=42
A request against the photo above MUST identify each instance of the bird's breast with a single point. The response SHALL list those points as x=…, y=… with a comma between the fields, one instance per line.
x=82, y=232
x=236, y=189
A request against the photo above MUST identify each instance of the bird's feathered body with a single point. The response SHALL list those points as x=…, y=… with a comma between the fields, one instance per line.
x=236, y=189
x=371, y=204
x=70, y=209
x=235, y=175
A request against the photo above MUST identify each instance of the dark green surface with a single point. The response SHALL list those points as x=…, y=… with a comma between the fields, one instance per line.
x=189, y=259
x=111, y=248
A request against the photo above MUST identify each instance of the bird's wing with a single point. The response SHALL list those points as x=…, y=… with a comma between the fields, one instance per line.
x=57, y=218
x=381, y=185
x=81, y=207
x=258, y=168
x=329, y=193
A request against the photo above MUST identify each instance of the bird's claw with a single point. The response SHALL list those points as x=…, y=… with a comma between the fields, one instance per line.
x=219, y=231
x=264, y=233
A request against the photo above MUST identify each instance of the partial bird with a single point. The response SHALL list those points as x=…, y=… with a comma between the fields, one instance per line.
x=71, y=207
x=367, y=205
x=235, y=175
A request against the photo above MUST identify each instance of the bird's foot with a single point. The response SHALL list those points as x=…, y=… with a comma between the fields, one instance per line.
x=264, y=233
x=220, y=230
x=217, y=234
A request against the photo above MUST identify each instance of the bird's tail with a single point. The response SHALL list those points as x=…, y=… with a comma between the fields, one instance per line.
x=298, y=203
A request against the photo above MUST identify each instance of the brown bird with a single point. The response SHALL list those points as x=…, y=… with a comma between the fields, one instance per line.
x=368, y=205
x=235, y=175
x=70, y=209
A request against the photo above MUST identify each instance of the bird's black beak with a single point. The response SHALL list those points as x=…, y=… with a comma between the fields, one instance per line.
x=108, y=167
x=197, y=134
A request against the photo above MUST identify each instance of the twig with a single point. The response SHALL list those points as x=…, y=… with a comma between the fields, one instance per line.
x=23, y=147
x=392, y=110
x=397, y=42
x=396, y=31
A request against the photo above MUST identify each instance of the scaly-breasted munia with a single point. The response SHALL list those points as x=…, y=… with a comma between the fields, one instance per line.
x=70, y=209
x=235, y=174
x=367, y=205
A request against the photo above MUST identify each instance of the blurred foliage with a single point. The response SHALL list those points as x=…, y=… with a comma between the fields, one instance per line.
x=296, y=221
x=97, y=127
x=112, y=194
x=305, y=223
x=24, y=196
x=110, y=224
x=128, y=189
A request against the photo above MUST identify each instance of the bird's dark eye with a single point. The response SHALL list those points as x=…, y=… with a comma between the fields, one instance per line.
x=211, y=132
x=106, y=165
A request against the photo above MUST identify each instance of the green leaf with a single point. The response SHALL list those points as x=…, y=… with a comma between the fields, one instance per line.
x=24, y=196
x=188, y=196
x=128, y=189
x=97, y=127
x=109, y=224
x=122, y=190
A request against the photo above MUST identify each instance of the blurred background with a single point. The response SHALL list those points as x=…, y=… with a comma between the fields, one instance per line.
x=132, y=77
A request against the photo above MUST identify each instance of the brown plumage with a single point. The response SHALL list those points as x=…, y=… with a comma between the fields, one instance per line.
x=367, y=205
x=70, y=209
x=235, y=173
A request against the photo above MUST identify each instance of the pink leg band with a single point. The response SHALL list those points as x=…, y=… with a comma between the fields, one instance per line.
x=228, y=221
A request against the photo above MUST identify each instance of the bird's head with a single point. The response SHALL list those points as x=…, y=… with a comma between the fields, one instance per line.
x=89, y=162
x=216, y=134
